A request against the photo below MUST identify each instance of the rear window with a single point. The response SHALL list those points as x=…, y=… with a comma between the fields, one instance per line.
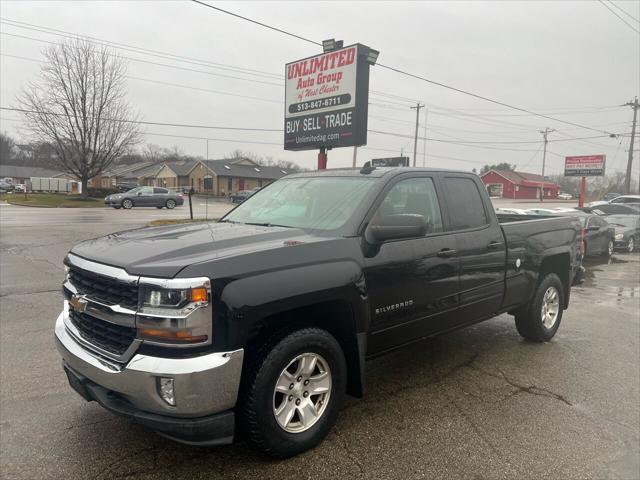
x=466, y=209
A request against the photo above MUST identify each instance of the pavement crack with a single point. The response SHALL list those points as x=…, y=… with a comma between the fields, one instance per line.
x=347, y=448
x=29, y=293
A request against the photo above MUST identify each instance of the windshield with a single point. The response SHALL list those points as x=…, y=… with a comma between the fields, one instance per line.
x=134, y=190
x=320, y=203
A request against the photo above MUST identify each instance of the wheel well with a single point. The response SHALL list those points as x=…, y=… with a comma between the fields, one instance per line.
x=560, y=265
x=336, y=317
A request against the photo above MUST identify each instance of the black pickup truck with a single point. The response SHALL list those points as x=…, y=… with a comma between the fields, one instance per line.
x=263, y=322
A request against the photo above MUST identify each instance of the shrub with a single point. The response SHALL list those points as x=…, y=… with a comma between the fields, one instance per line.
x=101, y=192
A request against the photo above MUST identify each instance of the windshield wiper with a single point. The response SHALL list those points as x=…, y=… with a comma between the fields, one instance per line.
x=266, y=224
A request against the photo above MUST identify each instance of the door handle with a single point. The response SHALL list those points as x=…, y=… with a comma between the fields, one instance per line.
x=446, y=253
x=494, y=245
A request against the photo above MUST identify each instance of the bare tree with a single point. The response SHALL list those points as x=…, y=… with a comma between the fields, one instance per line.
x=6, y=148
x=79, y=107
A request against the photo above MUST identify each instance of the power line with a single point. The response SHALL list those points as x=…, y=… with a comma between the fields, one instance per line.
x=621, y=19
x=624, y=11
x=136, y=49
x=141, y=122
x=411, y=75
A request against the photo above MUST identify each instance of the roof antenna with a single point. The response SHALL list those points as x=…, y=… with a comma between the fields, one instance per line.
x=367, y=168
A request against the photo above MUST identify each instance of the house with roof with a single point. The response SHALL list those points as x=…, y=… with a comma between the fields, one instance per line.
x=216, y=177
x=22, y=173
x=519, y=185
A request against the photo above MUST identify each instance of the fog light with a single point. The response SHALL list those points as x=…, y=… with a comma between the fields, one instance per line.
x=165, y=388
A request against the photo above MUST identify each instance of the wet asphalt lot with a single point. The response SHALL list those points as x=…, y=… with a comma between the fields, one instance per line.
x=477, y=403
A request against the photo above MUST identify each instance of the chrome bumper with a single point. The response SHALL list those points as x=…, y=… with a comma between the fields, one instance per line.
x=203, y=385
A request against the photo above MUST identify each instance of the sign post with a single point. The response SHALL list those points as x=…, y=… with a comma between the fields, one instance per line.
x=326, y=101
x=584, y=166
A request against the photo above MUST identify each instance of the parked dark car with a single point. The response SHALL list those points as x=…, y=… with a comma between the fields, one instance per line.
x=242, y=195
x=126, y=186
x=597, y=234
x=616, y=209
x=268, y=316
x=627, y=231
x=145, y=197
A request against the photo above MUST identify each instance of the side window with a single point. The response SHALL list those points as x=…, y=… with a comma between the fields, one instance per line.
x=147, y=190
x=413, y=196
x=160, y=190
x=465, y=204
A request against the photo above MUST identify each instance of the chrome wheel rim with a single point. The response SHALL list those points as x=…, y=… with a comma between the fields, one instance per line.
x=630, y=246
x=127, y=204
x=550, y=307
x=610, y=250
x=171, y=204
x=302, y=393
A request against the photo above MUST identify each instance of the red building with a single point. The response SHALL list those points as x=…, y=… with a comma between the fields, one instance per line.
x=518, y=185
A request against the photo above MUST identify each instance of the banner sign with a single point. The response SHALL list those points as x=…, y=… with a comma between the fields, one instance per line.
x=585, y=166
x=390, y=162
x=326, y=100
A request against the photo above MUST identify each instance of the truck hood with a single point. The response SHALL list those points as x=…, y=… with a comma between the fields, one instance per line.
x=164, y=251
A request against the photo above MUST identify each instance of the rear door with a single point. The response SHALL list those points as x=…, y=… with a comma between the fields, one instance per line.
x=480, y=246
x=160, y=196
x=412, y=283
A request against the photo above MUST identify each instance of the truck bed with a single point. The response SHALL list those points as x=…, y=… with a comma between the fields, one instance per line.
x=529, y=240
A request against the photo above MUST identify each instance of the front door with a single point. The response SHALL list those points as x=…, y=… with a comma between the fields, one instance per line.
x=480, y=245
x=145, y=197
x=411, y=283
x=241, y=184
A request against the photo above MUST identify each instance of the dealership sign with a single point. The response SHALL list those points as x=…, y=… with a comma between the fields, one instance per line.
x=326, y=100
x=584, y=166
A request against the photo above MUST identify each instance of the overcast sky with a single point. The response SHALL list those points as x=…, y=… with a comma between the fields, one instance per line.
x=572, y=60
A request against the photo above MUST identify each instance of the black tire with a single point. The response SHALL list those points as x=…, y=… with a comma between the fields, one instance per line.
x=529, y=320
x=608, y=251
x=159, y=207
x=127, y=204
x=171, y=204
x=256, y=407
x=117, y=207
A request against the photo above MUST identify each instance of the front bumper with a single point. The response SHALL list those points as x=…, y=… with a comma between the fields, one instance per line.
x=204, y=385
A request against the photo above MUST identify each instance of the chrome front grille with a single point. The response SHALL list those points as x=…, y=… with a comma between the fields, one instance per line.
x=105, y=290
x=107, y=336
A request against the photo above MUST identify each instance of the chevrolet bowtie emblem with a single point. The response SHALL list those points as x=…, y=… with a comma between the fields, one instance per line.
x=78, y=303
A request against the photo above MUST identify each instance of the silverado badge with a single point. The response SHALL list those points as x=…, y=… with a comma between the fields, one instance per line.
x=78, y=303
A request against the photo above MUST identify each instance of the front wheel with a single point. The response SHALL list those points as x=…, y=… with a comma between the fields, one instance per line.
x=539, y=321
x=609, y=251
x=292, y=392
x=171, y=204
x=127, y=204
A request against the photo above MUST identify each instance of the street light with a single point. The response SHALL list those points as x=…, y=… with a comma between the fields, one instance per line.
x=372, y=56
x=329, y=45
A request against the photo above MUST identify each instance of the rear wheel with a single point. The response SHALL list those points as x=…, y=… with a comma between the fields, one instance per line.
x=539, y=321
x=631, y=245
x=171, y=204
x=292, y=392
x=127, y=204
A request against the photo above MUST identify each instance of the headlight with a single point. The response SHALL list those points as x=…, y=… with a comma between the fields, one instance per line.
x=175, y=312
x=619, y=236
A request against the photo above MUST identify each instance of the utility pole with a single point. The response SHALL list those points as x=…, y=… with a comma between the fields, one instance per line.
x=544, y=133
x=424, y=141
x=415, y=140
x=627, y=178
x=355, y=155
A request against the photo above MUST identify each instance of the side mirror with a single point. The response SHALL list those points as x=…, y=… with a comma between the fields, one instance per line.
x=394, y=227
x=139, y=193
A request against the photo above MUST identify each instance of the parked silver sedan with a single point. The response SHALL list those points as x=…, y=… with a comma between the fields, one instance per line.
x=145, y=197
